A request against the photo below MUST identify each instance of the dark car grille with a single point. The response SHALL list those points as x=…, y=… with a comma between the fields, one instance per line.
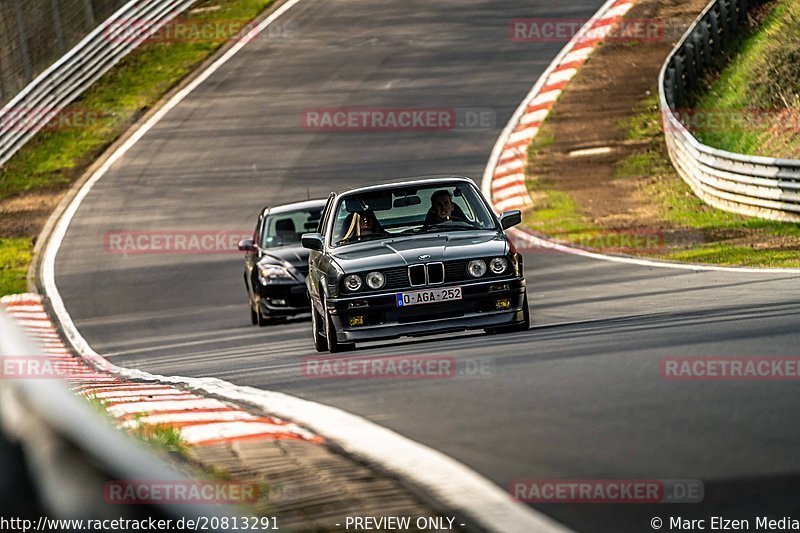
x=413, y=276
x=456, y=271
x=396, y=278
x=416, y=275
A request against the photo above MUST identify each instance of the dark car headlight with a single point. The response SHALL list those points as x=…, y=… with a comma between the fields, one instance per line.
x=498, y=265
x=376, y=280
x=476, y=268
x=267, y=273
x=352, y=282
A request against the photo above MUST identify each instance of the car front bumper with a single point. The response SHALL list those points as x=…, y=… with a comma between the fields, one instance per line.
x=283, y=299
x=383, y=319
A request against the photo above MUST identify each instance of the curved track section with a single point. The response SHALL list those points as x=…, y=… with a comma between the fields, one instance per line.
x=578, y=396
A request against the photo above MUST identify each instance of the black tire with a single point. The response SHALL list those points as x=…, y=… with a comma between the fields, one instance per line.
x=525, y=325
x=260, y=318
x=334, y=346
x=320, y=342
x=253, y=315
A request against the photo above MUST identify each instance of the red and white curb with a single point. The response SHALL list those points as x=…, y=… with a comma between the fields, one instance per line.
x=504, y=179
x=199, y=419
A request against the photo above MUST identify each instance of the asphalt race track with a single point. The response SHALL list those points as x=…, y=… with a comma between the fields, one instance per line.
x=580, y=395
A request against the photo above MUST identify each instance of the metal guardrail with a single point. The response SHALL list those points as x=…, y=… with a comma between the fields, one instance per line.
x=758, y=186
x=50, y=92
x=72, y=451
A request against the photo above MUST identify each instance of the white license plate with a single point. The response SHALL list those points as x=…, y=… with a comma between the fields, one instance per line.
x=428, y=296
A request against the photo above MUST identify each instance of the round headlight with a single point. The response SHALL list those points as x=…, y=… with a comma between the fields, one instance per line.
x=476, y=268
x=375, y=280
x=352, y=282
x=498, y=265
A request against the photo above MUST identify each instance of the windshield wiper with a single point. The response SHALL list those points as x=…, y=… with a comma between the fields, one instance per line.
x=448, y=227
x=363, y=238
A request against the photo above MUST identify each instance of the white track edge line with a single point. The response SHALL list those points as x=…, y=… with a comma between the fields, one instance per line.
x=447, y=480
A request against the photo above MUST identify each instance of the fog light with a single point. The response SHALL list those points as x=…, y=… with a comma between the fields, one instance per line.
x=356, y=304
x=277, y=301
x=498, y=287
x=357, y=320
x=502, y=304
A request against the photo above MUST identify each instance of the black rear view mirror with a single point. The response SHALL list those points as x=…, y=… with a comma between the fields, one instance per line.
x=509, y=219
x=312, y=241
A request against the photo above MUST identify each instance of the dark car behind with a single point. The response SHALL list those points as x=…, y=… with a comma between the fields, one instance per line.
x=276, y=264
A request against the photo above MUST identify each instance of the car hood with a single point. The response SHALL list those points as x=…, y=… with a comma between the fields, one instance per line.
x=296, y=256
x=405, y=250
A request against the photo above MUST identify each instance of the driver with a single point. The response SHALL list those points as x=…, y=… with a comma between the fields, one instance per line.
x=443, y=209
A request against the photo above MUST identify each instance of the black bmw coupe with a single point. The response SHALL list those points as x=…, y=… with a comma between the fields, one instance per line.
x=413, y=257
x=276, y=264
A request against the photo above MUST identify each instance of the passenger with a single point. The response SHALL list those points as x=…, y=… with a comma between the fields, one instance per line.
x=361, y=223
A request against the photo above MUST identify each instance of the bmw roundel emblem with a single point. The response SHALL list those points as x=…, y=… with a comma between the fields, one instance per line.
x=424, y=257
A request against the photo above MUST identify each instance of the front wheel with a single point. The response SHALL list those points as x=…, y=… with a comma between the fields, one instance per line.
x=334, y=345
x=320, y=342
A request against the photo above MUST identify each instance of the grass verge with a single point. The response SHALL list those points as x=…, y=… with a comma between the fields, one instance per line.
x=752, y=106
x=57, y=156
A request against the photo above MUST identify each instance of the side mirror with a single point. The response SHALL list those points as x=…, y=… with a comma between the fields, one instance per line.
x=247, y=245
x=312, y=241
x=509, y=219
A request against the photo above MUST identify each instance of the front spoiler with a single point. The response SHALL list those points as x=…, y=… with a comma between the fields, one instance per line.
x=471, y=317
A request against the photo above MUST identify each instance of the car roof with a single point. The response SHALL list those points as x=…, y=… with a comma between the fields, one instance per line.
x=401, y=182
x=283, y=208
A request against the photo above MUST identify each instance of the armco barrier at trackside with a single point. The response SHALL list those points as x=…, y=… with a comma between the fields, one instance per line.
x=765, y=187
x=50, y=92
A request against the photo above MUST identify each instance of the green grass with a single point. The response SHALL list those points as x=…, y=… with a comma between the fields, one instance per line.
x=558, y=215
x=55, y=158
x=762, y=81
x=165, y=438
x=723, y=254
x=15, y=256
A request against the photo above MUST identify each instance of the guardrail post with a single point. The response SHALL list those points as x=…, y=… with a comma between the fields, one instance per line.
x=716, y=37
x=705, y=44
x=23, y=42
x=691, y=66
x=680, y=82
x=699, y=60
x=743, y=9
x=724, y=18
x=736, y=17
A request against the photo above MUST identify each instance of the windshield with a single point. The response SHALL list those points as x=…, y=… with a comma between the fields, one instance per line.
x=410, y=210
x=286, y=228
